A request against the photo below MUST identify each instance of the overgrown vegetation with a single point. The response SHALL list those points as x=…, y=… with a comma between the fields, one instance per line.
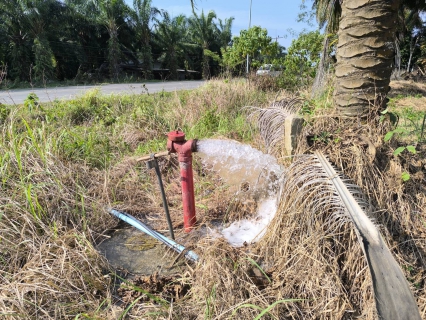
x=62, y=163
x=93, y=41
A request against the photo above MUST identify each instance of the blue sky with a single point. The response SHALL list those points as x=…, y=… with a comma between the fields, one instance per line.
x=277, y=16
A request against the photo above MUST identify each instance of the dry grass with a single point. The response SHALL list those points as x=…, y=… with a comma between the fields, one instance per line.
x=311, y=252
x=404, y=87
x=52, y=216
x=52, y=200
x=358, y=150
x=417, y=104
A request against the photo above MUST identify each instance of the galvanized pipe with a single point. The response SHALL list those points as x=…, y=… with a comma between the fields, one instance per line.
x=144, y=228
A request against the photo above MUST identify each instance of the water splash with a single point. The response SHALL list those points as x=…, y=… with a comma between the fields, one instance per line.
x=239, y=164
x=244, y=167
x=249, y=231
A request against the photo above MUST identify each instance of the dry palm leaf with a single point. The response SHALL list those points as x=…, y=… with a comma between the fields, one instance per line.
x=314, y=185
x=271, y=120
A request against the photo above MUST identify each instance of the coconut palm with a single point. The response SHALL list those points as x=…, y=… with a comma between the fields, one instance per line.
x=39, y=12
x=203, y=31
x=142, y=16
x=365, y=50
x=27, y=23
x=112, y=14
x=224, y=32
x=171, y=36
x=16, y=24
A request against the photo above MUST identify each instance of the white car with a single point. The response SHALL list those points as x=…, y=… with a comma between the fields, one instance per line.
x=270, y=70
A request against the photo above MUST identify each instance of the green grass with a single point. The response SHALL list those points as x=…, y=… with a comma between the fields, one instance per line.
x=411, y=119
x=61, y=164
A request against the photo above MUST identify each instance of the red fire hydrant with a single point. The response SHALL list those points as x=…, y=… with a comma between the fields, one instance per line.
x=176, y=143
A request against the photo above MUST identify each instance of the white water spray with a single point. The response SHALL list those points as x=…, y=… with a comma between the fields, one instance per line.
x=239, y=164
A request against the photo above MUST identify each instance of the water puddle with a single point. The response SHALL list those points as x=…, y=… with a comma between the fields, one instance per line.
x=137, y=253
x=252, y=174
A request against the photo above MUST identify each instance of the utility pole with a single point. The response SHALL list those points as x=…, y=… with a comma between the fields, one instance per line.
x=247, y=67
x=278, y=37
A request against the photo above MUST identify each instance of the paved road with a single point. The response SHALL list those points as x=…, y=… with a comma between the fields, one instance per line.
x=17, y=96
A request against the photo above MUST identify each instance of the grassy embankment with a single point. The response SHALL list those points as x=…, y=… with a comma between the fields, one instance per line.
x=62, y=163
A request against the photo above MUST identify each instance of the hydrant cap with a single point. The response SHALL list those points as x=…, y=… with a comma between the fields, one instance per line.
x=176, y=136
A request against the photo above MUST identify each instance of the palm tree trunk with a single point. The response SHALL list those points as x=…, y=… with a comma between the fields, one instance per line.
x=45, y=62
x=146, y=53
x=365, y=54
x=397, y=59
x=206, y=67
x=147, y=60
x=113, y=50
x=172, y=64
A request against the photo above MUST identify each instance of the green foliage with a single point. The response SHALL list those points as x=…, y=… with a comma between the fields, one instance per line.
x=254, y=42
x=86, y=41
x=92, y=108
x=322, y=137
x=386, y=114
x=302, y=60
x=45, y=62
x=405, y=176
x=409, y=130
x=207, y=124
x=212, y=55
x=390, y=134
x=171, y=37
x=212, y=123
x=410, y=123
x=203, y=33
x=143, y=14
x=210, y=301
x=4, y=113
x=31, y=102
x=89, y=145
x=399, y=150
x=152, y=145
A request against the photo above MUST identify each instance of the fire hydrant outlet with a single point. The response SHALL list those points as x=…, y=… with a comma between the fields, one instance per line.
x=176, y=136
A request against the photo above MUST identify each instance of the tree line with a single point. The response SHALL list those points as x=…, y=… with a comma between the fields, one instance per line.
x=65, y=39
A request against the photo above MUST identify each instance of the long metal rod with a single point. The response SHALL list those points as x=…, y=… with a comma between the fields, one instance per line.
x=248, y=67
x=156, y=155
x=163, y=197
x=191, y=255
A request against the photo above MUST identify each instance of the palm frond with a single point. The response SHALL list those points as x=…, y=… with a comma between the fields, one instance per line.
x=271, y=120
x=313, y=185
